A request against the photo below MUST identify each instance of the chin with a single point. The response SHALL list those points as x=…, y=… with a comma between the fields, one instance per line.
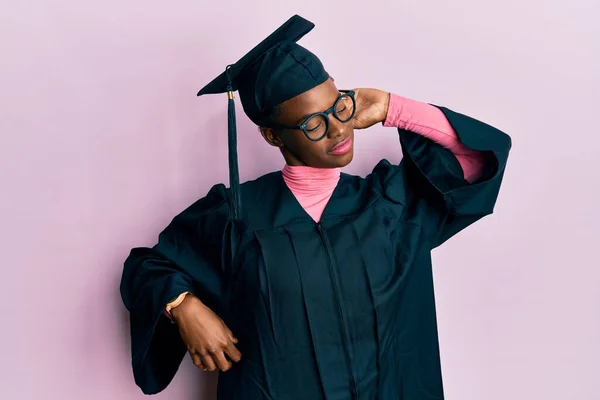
x=344, y=160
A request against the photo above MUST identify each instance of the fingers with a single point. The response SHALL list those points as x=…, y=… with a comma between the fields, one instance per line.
x=208, y=362
x=231, y=337
x=233, y=353
x=213, y=360
x=198, y=361
x=217, y=356
x=221, y=361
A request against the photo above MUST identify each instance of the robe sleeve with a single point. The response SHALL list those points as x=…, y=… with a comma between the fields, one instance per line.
x=430, y=122
x=431, y=181
x=187, y=257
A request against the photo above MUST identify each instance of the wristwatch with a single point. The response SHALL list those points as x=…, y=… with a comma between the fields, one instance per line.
x=174, y=303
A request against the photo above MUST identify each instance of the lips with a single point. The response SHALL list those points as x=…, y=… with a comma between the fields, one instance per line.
x=342, y=147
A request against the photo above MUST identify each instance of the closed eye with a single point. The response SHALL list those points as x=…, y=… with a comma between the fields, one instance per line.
x=315, y=128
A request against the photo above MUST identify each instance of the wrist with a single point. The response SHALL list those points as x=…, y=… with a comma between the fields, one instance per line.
x=190, y=301
x=180, y=308
x=385, y=106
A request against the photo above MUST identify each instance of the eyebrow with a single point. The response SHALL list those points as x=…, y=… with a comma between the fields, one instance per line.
x=304, y=117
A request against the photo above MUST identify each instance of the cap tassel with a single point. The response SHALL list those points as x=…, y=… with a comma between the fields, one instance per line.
x=234, y=178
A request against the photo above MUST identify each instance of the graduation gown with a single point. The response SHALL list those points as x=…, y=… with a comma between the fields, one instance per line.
x=340, y=309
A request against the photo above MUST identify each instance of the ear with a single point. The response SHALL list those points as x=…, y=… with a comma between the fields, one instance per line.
x=271, y=136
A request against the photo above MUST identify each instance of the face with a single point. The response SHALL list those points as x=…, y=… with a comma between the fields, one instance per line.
x=334, y=150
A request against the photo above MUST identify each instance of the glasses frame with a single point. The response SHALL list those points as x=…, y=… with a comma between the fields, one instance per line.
x=325, y=114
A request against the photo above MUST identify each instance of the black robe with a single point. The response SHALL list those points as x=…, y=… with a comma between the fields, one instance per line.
x=341, y=309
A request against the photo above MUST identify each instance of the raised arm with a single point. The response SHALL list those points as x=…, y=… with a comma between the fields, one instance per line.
x=452, y=166
x=431, y=123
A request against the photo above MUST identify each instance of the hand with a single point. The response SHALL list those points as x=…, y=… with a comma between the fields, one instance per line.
x=206, y=336
x=371, y=107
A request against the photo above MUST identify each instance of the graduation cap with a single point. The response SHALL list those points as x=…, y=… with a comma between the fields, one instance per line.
x=274, y=71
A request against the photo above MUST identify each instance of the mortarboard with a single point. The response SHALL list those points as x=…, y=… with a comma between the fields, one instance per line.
x=274, y=71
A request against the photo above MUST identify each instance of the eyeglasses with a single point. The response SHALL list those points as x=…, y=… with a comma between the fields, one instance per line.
x=316, y=126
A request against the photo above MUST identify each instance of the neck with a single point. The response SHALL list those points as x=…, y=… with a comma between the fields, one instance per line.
x=311, y=186
x=307, y=179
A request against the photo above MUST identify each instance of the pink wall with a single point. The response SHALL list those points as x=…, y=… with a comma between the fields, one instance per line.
x=102, y=141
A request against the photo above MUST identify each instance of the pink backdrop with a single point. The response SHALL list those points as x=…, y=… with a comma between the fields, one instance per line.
x=103, y=141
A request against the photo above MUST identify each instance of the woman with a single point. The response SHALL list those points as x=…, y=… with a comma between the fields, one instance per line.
x=308, y=283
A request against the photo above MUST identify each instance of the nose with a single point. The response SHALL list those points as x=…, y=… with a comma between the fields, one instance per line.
x=336, y=128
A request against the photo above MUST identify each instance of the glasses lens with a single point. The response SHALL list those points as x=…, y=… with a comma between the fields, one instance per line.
x=344, y=108
x=316, y=127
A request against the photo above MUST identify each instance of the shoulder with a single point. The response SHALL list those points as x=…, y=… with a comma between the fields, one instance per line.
x=219, y=195
x=216, y=197
x=389, y=180
x=261, y=189
x=260, y=183
x=211, y=209
x=207, y=218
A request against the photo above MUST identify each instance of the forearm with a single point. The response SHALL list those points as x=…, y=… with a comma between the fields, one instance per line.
x=429, y=121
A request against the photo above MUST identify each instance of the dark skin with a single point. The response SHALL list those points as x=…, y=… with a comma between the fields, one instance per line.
x=210, y=343
x=297, y=149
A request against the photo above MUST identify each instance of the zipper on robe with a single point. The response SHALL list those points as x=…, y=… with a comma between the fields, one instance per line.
x=334, y=272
